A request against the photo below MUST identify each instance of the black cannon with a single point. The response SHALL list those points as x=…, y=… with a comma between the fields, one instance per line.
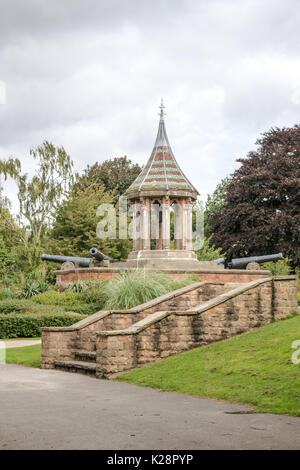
x=219, y=261
x=82, y=262
x=241, y=263
x=69, y=262
x=98, y=255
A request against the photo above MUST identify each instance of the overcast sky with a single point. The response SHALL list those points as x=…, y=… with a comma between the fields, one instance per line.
x=89, y=75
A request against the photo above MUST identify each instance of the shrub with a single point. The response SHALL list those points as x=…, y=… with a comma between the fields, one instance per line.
x=278, y=268
x=13, y=305
x=209, y=252
x=85, y=309
x=137, y=287
x=32, y=288
x=91, y=291
x=6, y=293
x=79, y=287
x=95, y=293
x=52, y=297
x=28, y=325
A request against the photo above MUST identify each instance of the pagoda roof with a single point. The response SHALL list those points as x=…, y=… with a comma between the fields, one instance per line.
x=162, y=171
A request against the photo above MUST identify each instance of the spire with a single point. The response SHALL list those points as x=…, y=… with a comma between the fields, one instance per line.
x=162, y=113
x=162, y=138
x=162, y=170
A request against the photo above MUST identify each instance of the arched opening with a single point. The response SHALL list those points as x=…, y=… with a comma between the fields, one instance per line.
x=176, y=225
x=156, y=225
x=138, y=230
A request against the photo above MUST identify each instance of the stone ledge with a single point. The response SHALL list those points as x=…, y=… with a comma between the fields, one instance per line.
x=208, y=305
x=166, y=271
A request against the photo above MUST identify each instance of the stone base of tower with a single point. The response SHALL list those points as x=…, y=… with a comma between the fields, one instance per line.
x=168, y=259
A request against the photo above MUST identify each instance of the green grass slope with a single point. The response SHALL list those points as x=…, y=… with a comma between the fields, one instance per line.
x=254, y=368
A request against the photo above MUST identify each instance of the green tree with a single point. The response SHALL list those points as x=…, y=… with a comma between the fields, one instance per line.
x=116, y=175
x=214, y=203
x=38, y=196
x=261, y=213
x=209, y=252
x=74, y=229
x=7, y=260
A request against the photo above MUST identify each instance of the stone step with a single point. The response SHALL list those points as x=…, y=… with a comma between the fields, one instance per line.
x=89, y=356
x=82, y=367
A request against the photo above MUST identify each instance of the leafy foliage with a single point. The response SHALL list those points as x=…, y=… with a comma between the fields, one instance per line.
x=6, y=293
x=214, y=203
x=74, y=230
x=278, y=268
x=261, y=213
x=14, y=305
x=209, y=252
x=52, y=297
x=115, y=175
x=29, y=325
x=32, y=288
x=38, y=196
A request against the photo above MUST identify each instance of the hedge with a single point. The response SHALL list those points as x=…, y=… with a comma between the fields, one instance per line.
x=52, y=297
x=26, y=325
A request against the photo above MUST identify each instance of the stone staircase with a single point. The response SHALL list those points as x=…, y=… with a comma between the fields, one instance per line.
x=110, y=342
x=83, y=363
x=80, y=356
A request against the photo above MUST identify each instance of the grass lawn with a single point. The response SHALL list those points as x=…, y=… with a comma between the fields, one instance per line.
x=27, y=356
x=19, y=339
x=253, y=368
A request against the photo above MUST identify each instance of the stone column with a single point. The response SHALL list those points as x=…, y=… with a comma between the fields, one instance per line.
x=146, y=227
x=155, y=211
x=188, y=224
x=177, y=226
x=166, y=224
x=182, y=223
x=137, y=219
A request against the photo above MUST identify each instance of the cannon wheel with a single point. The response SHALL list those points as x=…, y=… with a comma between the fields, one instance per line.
x=68, y=265
x=253, y=266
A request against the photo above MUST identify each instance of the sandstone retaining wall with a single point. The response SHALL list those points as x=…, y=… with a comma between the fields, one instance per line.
x=166, y=332
x=60, y=343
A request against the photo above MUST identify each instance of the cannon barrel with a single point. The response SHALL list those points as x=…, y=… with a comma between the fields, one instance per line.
x=98, y=255
x=240, y=263
x=82, y=262
x=219, y=261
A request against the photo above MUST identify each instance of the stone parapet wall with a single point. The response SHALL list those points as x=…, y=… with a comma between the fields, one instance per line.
x=64, y=278
x=166, y=332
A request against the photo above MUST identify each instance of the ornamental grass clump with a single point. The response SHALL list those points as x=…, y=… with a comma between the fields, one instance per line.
x=137, y=287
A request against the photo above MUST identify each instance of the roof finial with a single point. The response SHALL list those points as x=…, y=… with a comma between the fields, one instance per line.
x=162, y=107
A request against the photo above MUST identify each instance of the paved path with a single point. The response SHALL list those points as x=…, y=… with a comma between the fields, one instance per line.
x=20, y=343
x=48, y=409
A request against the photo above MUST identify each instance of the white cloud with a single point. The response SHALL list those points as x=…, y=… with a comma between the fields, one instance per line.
x=90, y=75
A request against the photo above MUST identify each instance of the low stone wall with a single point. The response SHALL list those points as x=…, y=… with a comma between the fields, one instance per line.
x=166, y=332
x=60, y=343
x=64, y=278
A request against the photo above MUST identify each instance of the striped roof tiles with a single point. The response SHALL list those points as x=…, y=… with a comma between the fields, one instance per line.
x=162, y=170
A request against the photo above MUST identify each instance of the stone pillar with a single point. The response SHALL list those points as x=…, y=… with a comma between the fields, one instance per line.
x=166, y=224
x=146, y=227
x=137, y=223
x=182, y=223
x=188, y=223
x=155, y=229
x=177, y=226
